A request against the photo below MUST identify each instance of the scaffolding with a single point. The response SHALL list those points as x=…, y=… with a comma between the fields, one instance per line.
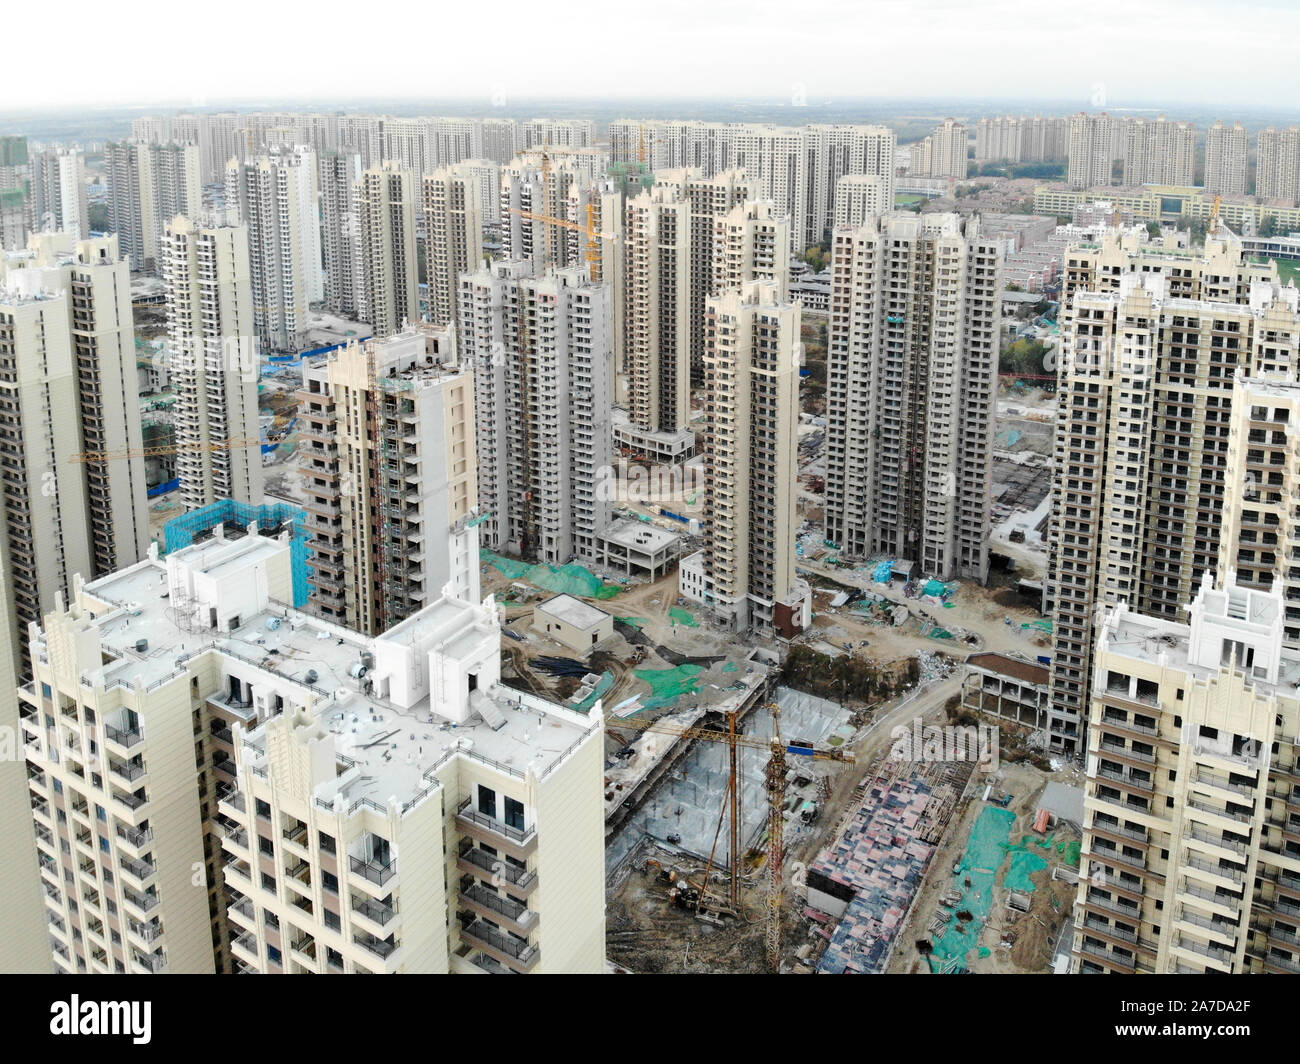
x=189, y=528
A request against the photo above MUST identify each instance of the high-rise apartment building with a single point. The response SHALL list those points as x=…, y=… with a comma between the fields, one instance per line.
x=530, y=194
x=542, y=352
x=745, y=574
x=711, y=199
x=911, y=378
x=453, y=226
x=1262, y=477
x=1021, y=139
x=70, y=413
x=148, y=185
x=858, y=197
x=656, y=253
x=25, y=948
x=1159, y=152
x=502, y=140
x=943, y=153
x=1277, y=164
x=1151, y=339
x=339, y=176
x=1192, y=810
x=1095, y=142
x=319, y=848
x=557, y=133
x=388, y=457
x=213, y=360
x=751, y=243
x=798, y=168
x=1227, y=151
x=59, y=201
x=276, y=199
x=389, y=268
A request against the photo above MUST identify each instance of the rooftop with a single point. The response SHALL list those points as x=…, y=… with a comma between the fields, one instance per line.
x=391, y=732
x=574, y=611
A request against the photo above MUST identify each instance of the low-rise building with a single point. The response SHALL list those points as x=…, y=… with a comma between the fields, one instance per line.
x=578, y=625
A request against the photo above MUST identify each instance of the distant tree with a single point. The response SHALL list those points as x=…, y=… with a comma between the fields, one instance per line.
x=99, y=217
x=1153, y=229
x=1268, y=225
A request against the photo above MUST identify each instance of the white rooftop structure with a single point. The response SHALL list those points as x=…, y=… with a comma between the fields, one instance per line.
x=574, y=611
x=389, y=709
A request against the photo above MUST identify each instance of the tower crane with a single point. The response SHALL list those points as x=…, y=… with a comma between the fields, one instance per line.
x=590, y=231
x=100, y=457
x=774, y=779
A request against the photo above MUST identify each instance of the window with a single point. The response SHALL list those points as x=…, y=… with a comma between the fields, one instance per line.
x=332, y=920
x=487, y=801
x=326, y=843
x=330, y=882
x=268, y=882
x=515, y=813
x=265, y=845
x=263, y=809
x=272, y=954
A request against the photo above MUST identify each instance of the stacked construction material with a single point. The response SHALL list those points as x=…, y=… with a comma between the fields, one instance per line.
x=882, y=861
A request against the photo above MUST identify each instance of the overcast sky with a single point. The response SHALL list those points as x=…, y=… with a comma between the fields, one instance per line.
x=1103, y=53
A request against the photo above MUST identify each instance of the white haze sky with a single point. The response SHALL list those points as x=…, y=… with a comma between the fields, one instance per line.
x=147, y=52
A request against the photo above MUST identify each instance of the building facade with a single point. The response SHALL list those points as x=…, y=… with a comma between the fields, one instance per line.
x=911, y=379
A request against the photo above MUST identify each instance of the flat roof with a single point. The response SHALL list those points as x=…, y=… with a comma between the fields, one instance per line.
x=574, y=611
x=392, y=747
x=1017, y=668
x=649, y=539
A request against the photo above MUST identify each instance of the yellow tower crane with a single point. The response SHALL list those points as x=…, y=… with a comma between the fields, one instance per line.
x=594, y=235
x=99, y=457
x=775, y=785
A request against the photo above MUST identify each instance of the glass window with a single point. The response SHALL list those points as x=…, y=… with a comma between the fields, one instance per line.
x=515, y=813
x=487, y=801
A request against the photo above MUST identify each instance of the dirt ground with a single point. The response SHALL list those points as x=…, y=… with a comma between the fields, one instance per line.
x=1035, y=932
x=646, y=933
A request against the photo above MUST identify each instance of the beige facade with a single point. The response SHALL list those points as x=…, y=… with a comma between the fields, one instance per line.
x=388, y=453
x=1146, y=378
x=213, y=360
x=542, y=353
x=912, y=363
x=1191, y=844
x=1277, y=164
x=1227, y=152
x=942, y=154
x=453, y=223
x=276, y=197
x=746, y=572
x=1159, y=152
x=301, y=845
x=386, y=206
x=657, y=302
x=1095, y=142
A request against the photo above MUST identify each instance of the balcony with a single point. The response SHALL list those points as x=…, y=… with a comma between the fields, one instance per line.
x=518, y=843
x=372, y=871
x=146, y=932
x=141, y=872
x=382, y=948
x=151, y=962
x=492, y=868
x=135, y=837
x=498, y=908
x=121, y=738
x=517, y=956
x=379, y=915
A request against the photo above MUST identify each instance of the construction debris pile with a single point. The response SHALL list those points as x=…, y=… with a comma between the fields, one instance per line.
x=871, y=875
